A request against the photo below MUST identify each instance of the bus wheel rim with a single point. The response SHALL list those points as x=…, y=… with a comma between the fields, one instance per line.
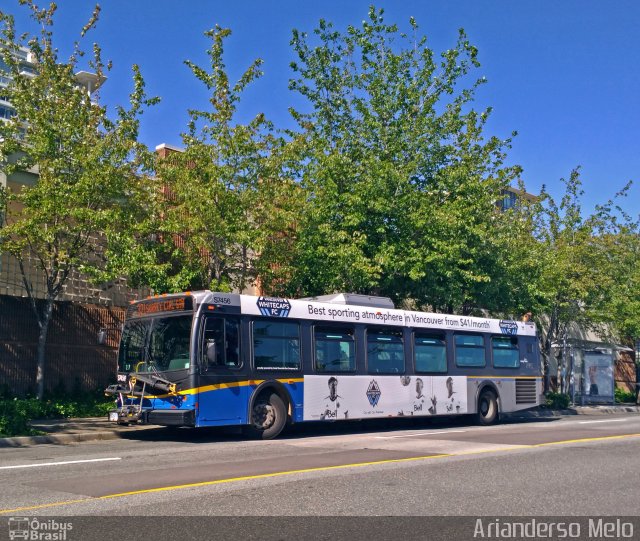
x=264, y=416
x=485, y=407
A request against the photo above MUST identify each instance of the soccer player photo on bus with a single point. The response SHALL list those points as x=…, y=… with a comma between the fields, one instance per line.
x=450, y=393
x=422, y=389
x=331, y=407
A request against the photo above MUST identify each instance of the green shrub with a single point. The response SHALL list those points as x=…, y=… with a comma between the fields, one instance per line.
x=16, y=413
x=558, y=400
x=624, y=396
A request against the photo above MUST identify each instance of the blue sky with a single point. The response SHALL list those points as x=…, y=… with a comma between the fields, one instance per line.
x=564, y=75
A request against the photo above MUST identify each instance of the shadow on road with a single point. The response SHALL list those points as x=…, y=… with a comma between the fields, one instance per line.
x=316, y=429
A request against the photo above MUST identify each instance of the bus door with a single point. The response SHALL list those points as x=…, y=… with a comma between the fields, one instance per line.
x=222, y=385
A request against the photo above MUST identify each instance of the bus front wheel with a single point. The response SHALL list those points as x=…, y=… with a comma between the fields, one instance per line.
x=487, y=408
x=268, y=417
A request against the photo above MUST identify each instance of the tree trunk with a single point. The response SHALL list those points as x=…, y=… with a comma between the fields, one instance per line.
x=551, y=334
x=42, y=344
x=559, y=376
x=545, y=372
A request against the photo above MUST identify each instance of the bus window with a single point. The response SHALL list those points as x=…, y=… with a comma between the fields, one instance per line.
x=225, y=333
x=169, y=343
x=334, y=349
x=469, y=350
x=430, y=352
x=385, y=351
x=132, y=355
x=505, y=351
x=276, y=345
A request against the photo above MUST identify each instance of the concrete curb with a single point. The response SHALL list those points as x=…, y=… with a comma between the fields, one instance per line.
x=578, y=410
x=73, y=430
x=58, y=439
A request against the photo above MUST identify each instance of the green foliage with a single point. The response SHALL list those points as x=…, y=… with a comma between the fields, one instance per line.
x=401, y=182
x=623, y=396
x=586, y=264
x=14, y=417
x=557, y=400
x=388, y=185
x=618, y=301
x=223, y=192
x=16, y=413
x=86, y=194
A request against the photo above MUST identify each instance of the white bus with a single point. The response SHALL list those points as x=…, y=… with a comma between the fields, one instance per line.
x=212, y=359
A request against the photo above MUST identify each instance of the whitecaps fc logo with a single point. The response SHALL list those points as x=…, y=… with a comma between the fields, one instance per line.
x=373, y=393
x=509, y=327
x=273, y=307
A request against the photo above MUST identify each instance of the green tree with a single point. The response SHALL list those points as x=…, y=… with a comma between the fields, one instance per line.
x=401, y=182
x=624, y=303
x=619, y=291
x=88, y=166
x=585, y=264
x=222, y=190
x=518, y=259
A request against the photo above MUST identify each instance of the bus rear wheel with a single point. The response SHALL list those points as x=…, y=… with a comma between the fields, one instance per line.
x=268, y=417
x=487, y=408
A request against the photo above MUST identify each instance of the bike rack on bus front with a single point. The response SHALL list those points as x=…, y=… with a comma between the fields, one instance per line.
x=133, y=413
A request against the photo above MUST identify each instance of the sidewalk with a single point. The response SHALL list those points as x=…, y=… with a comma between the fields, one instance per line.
x=66, y=431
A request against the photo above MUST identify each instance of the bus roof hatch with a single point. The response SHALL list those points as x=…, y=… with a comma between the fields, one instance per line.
x=354, y=299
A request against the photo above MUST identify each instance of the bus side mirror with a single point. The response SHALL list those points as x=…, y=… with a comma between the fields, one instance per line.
x=212, y=356
x=103, y=333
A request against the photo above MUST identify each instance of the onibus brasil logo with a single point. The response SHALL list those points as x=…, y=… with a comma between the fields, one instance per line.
x=38, y=530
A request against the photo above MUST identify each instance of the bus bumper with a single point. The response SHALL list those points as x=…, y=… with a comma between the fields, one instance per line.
x=131, y=414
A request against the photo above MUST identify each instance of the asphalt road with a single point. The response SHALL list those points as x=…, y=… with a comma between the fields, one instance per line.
x=571, y=466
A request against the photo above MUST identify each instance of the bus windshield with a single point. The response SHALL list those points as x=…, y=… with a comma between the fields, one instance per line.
x=155, y=344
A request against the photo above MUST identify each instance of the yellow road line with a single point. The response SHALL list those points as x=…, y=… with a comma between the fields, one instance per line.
x=311, y=470
x=274, y=474
x=600, y=438
x=222, y=481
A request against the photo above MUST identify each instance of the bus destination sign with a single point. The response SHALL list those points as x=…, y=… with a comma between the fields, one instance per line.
x=154, y=306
